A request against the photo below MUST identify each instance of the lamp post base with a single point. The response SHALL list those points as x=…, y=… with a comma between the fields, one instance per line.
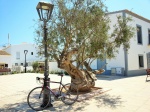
x=47, y=106
x=47, y=96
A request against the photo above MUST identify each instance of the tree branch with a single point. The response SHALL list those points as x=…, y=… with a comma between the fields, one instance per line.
x=87, y=66
x=100, y=71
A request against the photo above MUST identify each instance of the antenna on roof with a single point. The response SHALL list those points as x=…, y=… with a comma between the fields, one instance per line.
x=8, y=40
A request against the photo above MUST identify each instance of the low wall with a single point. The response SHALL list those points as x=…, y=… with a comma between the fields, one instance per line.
x=53, y=66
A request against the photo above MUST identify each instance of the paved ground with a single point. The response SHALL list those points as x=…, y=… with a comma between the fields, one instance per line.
x=131, y=94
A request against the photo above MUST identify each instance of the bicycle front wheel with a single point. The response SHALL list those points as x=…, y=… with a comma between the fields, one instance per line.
x=68, y=96
x=35, y=99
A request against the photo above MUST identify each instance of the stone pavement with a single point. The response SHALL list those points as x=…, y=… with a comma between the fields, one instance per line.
x=127, y=94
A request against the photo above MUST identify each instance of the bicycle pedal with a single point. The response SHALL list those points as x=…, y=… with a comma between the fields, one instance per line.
x=56, y=98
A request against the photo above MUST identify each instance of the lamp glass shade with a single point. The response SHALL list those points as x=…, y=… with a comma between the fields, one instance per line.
x=44, y=10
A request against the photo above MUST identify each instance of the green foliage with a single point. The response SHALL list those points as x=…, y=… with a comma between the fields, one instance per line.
x=42, y=72
x=53, y=72
x=35, y=65
x=58, y=72
x=84, y=25
x=14, y=72
x=4, y=73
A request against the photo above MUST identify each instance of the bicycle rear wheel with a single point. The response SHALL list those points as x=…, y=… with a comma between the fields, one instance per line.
x=35, y=99
x=68, y=96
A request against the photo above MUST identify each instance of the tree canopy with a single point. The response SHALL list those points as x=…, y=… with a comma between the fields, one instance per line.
x=79, y=32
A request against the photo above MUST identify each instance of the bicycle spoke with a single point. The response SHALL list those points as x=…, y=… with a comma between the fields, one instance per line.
x=35, y=99
x=68, y=97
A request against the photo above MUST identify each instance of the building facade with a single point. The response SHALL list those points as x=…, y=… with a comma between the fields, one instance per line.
x=137, y=59
x=18, y=55
x=16, y=60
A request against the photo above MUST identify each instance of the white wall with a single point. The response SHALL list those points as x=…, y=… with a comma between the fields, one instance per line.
x=53, y=66
x=20, y=48
x=137, y=49
x=119, y=60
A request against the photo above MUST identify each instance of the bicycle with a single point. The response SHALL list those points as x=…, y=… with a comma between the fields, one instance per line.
x=65, y=93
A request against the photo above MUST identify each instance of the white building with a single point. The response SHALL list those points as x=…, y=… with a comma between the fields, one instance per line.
x=18, y=55
x=136, y=59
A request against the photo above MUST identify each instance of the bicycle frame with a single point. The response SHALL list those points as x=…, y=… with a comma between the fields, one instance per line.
x=60, y=84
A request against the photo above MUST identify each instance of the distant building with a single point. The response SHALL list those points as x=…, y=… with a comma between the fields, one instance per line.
x=18, y=57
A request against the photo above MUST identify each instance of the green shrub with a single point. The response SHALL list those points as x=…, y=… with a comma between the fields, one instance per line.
x=14, y=72
x=35, y=66
x=42, y=72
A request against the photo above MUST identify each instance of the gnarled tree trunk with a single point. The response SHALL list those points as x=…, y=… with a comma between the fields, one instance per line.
x=84, y=80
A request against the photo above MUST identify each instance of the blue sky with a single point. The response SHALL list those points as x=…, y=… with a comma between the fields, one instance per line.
x=17, y=17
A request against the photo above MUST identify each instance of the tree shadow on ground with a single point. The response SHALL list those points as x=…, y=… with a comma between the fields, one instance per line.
x=108, y=101
x=104, y=100
x=16, y=107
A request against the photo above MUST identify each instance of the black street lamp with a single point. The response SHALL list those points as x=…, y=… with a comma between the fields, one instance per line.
x=25, y=65
x=44, y=11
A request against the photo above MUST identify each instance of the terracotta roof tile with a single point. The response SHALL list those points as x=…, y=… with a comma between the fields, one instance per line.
x=3, y=52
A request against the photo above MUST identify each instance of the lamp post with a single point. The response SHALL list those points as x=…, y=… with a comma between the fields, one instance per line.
x=25, y=52
x=44, y=11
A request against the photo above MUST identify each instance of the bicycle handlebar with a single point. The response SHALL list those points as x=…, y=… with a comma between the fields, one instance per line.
x=41, y=80
x=38, y=79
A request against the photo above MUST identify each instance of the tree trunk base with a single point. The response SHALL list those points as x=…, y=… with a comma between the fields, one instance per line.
x=84, y=83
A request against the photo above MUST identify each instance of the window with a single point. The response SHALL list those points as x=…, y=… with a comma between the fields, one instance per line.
x=141, y=61
x=21, y=64
x=6, y=65
x=17, y=55
x=149, y=37
x=139, y=34
x=148, y=60
x=16, y=64
x=31, y=53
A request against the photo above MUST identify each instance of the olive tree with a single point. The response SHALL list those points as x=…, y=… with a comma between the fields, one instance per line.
x=78, y=33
